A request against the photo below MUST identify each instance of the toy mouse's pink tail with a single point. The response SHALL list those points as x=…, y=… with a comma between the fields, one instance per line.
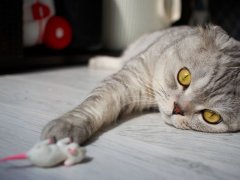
x=14, y=157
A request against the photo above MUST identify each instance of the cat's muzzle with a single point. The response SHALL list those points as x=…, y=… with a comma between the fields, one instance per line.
x=177, y=109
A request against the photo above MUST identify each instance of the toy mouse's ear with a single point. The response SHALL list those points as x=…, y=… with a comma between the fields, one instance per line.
x=52, y=140
x=72, y=151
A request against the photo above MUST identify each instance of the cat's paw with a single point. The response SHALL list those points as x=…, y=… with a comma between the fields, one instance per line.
x=60, y=128
x=181, y=123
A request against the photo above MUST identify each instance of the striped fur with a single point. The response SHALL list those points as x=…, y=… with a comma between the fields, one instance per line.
x=148, y=79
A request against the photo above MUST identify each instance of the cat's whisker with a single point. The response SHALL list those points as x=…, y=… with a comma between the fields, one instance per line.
x=148, y=92
x=160, y=91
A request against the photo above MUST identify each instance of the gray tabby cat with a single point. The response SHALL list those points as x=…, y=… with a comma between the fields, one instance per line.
x=191, y=74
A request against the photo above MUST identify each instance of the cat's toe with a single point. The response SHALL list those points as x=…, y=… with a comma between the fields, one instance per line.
x=60, y=129
x=181, y=123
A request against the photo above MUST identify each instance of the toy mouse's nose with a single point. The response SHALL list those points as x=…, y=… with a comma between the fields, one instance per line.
x=177, y=109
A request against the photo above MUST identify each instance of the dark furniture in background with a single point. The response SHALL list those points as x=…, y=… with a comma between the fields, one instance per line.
x=10, y=30
x=85, y=18
x=226, y=14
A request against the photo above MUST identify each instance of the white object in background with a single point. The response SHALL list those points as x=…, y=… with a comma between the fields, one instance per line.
x=33, y=32
x=36, y=14
x=48, y=153
x=126, y=20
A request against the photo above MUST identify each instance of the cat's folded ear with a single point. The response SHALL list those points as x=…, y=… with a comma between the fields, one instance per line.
x=216, y=38
x=212, y=36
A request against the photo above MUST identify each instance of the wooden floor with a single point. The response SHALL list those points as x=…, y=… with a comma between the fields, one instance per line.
x=141, y=148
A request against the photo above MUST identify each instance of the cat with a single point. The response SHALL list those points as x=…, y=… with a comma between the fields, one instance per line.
x=191, y=74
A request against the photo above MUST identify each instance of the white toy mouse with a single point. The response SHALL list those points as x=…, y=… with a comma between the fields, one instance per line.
x=48, y=153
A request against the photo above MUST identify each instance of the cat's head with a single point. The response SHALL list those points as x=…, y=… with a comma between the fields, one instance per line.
x=197, y=86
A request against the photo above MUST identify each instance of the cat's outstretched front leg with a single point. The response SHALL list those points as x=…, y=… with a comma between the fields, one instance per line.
x=126, y=91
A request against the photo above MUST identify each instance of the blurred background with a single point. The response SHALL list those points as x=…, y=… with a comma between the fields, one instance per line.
x=40, y=34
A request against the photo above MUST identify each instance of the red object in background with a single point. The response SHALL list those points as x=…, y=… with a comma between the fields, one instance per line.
x=58, y=33
x=40, y=11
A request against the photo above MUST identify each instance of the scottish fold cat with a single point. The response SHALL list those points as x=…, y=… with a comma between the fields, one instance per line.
x=190, y=74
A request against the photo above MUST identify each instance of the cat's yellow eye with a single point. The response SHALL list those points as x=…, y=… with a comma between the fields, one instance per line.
x=184, y=77
x=211, y=117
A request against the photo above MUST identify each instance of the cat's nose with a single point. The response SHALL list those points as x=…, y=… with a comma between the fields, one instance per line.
x=177, y=109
